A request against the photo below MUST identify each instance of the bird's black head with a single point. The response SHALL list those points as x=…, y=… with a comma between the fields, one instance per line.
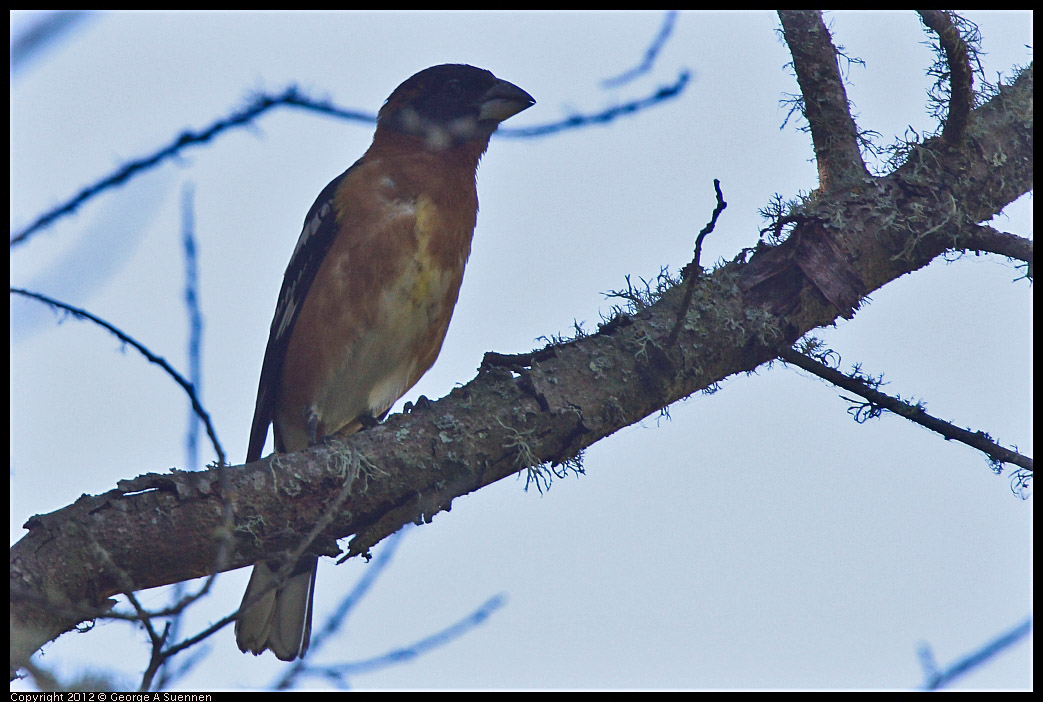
x=451, y=104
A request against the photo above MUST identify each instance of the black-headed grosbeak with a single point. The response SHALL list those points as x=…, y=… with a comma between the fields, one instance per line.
x=368, y=294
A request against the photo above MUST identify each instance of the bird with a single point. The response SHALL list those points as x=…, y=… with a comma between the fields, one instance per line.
x=367, y=297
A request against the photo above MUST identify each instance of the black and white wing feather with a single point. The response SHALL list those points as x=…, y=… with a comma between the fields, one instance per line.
x=320, y=229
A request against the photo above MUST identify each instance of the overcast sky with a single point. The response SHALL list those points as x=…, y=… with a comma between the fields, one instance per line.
x=757, y=538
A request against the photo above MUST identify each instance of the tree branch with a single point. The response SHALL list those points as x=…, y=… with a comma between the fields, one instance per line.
x=293, y=97
x=570, y=395
x=691, y=272
x=937, y=679
x=651, y=53
x=125, y=338
x=825, y=104
x=957, y=58
x=982, y=237
x=879, y=401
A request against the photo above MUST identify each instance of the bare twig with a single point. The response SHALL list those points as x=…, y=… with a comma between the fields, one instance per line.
x=692, y=271
x=41, y=33
x=258, y=106
x=144, y=351
x=937, y=679
x=339, y=673
x=609, y=114
x=879, y=402
x=648, y=60
x=293, y=97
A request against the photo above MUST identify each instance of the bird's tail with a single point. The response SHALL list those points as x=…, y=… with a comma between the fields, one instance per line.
x=280, y=618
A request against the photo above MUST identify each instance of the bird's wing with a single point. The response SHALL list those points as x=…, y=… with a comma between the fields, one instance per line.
x=320, y=229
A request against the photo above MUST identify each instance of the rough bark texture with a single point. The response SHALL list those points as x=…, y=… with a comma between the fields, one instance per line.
x=846, y=243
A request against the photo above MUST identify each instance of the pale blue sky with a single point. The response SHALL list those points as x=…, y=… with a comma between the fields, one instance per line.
x=758, y=538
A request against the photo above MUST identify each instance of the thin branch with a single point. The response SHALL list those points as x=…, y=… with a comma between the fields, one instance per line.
x=156, y=658
x=879, y=402
x=195, y=360
x=340, y=672
x=609, y=114
x=937, y=679
x=201, y=636
x=694, y=269
x=143, y=616
x=825, y=104
x=195, y=316
x=957, y=57
x=144, y=351
x=239, y=118
x=651, y=53
x=88, y=612
x=292, y=97
x=158, y=674
x=42, y=32
x=982, y=237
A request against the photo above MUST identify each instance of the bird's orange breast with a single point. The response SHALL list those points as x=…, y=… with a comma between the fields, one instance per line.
x=379, y=308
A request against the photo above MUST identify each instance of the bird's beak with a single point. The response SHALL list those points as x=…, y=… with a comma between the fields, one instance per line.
x=504, y=100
